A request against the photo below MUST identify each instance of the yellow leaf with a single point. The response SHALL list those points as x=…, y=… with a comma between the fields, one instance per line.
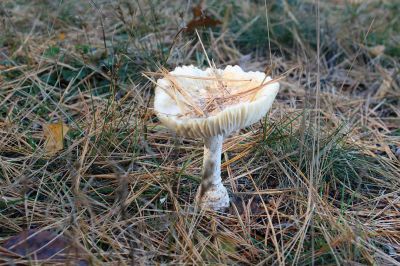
x=61, y=36
x=54, y=135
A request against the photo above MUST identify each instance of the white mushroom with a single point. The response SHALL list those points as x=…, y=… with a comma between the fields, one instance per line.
x=211, y=104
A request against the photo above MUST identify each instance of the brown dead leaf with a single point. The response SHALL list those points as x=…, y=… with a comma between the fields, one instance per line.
x=61, y=36
x=246, y=206
x=45, y=245
x=205, y=21
x=197, y=10
x=54, y=135
x=201, y=19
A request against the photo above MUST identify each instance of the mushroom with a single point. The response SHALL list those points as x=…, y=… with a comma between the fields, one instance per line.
x=211, y=104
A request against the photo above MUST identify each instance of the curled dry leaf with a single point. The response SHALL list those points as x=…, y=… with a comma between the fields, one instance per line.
x=44, y=245
x=54, y=135
x=201, y=19
x=243, y=206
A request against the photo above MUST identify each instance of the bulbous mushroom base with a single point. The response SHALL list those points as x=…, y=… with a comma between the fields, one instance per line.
x=214, y=197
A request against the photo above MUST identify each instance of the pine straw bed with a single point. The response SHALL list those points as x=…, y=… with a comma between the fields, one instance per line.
x=318, y=182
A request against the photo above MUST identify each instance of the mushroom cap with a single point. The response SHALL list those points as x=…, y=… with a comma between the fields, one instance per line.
x=198, y=85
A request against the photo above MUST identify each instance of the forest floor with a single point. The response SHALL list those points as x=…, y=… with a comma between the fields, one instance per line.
x=317, y=182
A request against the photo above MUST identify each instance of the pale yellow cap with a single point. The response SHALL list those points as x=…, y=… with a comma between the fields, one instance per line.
x=243, y=112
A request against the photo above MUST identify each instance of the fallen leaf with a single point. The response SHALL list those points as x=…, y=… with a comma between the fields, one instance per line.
x=61, y=36
x=245, y=206
x=197, y=10
x=201, y=19
x=46, y=245
x=205, y=21
x=376, y=50
x=54, y=135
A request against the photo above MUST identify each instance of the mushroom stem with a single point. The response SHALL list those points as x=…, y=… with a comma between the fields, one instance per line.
x=212, y=194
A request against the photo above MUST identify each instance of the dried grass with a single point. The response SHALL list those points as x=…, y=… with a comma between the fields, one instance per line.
x=218, y=96
x=303, y=193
